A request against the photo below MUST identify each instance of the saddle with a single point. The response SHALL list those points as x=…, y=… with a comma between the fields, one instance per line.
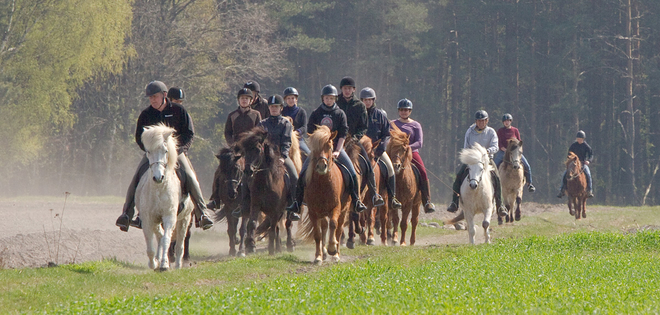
x=383, y=172
x=184, y=189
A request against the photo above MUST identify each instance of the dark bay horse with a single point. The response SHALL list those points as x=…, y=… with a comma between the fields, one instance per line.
x=407, y=188
x=512, y=178
x=576, y=187
x=268, y=190
x=328, y=202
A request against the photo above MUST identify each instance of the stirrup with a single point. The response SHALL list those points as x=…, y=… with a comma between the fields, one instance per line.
x=123, y=222
x=377, y=200
x=453, y=207
x=137, y=223
x=429, y=207
x=359, y=206
x=531, y=188
x=292, y=216
x=396, y=205
x=205, y=222
x=294, y=208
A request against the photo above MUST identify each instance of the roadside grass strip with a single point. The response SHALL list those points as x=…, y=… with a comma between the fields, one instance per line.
x=578, y=273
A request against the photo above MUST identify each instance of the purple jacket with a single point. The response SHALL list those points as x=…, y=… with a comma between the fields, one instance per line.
x=414, y=129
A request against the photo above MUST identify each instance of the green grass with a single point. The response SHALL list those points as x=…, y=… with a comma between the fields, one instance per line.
x=584, y=272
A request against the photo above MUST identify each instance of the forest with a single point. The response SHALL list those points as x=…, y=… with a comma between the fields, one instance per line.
x=73, y=72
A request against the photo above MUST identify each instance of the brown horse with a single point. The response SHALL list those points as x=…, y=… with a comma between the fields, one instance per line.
x=358, y=222
x=268, y=191
x=512, y=178
x=407, y=188
x=226, y=190
x=367, y=218
x=576, y=187
x=328, y=202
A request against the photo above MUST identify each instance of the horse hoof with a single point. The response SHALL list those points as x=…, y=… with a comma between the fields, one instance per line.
x=336, y=258
x=584, y=215
x=161, y=269
x=403, y=244
x=290, y=249
x=249, y=250
x=571, y=212
x=371, y=242
x=499, y=221
x=318, y=261
x=350, y=245
x=232, y=252
x=241, y=254
x=517, y=217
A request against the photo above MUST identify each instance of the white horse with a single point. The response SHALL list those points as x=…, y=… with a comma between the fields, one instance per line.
x=158, y=196
x=476, y=190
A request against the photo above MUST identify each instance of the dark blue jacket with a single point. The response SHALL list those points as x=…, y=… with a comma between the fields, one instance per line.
x=378, y=129
x=279, y=133
x=299, y=116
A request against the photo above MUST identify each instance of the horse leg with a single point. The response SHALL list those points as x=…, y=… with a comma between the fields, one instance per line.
x=584, y=207
x=181, y=243
x=232, y=225
x=364, y=227
x=242, y=231
x=340, y=224
x=352, y=226
x=414, y=220
x=272, y=235
x=334, y=233
x=518, y=211
x=371, y=219
x=150, y=239
x=404, y=225
x=168, y=228
x=576, y=205
x=486, y=224
x=250, y=243
x=570, y=206
x=324, y=237
x=383, y=226
x=318, y=239
x=186, y=242
x=469, y=220
x=395, y=227
x=290, y=243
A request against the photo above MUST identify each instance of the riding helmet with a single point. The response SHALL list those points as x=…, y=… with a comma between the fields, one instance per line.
x=347, y=81
x=329, y=90
x=404, y=103
x=275, y=100
x=244, y=91
x=290, y=91
x=581, y=134
x=481, y=114
x=154, y=87
x=253, y=86
x=176, y=93
x=367, y=93
x=506, y=117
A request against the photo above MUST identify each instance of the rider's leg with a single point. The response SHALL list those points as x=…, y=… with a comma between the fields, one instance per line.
x=294, y=208
x=293, y=179
x=128, y=211
x=303, y=146
x=391, y=180
x=426, y=191
x=456, y=188
x=498, y=158
x=192, y=185
x=528, y=173
x=563, y=186
x=371, y=179
x=587, y=173
x=344, y=160
x=497, y=188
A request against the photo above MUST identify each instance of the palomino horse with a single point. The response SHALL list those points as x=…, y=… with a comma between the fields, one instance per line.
x=328, y=202
x=226, y=189
x=268, y=190
x=576, y=187
x=158, y=196
x=476, y=190
x=407, y=188
x=512, y=178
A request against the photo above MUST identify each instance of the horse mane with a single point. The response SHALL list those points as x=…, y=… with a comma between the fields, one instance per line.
x=474, y=155
x=155, y=135
x=225, y=156
x=399, y=139
x=573, y=157
x=368, y=146
x=317, y=143
x=259, y=136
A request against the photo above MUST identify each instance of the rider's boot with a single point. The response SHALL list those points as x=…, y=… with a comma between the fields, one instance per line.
x=358, y=206
x=377, y=199
x=501, y=210
x=202, y=217
x=124, y=220
x=560, y=194
x=453, y=207
x=460, y=176
x=531, y=188
x=294, y=207
x=590, y=194
x=426, y=193
x=391, y=190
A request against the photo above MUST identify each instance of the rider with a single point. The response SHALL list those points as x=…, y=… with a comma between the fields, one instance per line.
x=379, y=129
x=243, y=119
x=280, y=131
x=414, y=131
x=584, y=153
x=503, y=135
x=161, y=110
x=357, y=119
x=328, y=114
x=479, y=132
x=258, y=103
x=298, y=114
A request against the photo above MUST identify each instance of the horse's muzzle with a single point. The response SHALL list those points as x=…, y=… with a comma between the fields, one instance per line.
x=474, y=184
x=159, y=179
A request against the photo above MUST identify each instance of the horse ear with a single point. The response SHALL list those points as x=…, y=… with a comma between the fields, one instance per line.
x=334, y=134
x=520, y=143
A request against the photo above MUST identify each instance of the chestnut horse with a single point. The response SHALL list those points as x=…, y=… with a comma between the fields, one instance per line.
x=357, y=222
x=512, y=178
x=407, y=188
x=268, y=190
x=328, y=201
x=576, y=187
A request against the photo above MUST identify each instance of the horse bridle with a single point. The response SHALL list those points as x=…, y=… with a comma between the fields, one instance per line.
x=571, y=176
x=480, y=177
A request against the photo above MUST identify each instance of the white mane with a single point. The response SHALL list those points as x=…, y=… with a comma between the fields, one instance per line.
x=154, y=136
x=474, y=155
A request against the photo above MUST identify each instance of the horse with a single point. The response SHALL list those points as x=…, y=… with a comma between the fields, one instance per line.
x=226, y=189
x=328, y=201
x=576, y=187
x=476, y=190
x=158, y=196
x=407, y=187
x=268, y=190
x=512, y=178
x=357, y=222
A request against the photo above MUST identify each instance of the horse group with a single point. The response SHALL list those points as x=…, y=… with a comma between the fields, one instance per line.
x=251, y=183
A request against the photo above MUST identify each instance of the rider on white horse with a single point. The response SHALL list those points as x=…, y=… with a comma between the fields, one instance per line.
x=479, y=132
x=161, y=110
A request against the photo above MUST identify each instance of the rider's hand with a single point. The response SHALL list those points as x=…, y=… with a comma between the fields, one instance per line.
x=282, y=160
x=335, y=154
x=503, y=149
x=586, y=162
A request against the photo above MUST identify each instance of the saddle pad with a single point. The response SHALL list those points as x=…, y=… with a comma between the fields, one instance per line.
x=345, y=174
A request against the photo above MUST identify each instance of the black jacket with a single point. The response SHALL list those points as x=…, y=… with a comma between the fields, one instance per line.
x=239, y=122
x=583, y=151
x=378, y=129
x=173, y=115
x=332, y=117
x=299, y=116
x=356, y=115
x=261, y=105
x=279, y=133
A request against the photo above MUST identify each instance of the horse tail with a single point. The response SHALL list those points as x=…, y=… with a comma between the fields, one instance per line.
x=458, y=218
x=306, y=228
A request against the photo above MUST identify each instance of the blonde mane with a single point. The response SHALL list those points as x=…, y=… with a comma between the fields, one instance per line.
x=317, y=143
x=154, y=136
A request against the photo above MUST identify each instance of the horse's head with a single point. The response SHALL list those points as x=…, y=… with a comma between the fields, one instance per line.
x=399, y=149
x=477, y=160
x=573, y=164
x=253, y=147
x=231, y=170
x=160, y=146
x=513, y=153
x=321, y=144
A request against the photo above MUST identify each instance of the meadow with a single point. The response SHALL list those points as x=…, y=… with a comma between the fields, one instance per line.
x=546, y=263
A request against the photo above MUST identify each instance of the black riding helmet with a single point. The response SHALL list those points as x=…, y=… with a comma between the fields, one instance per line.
x=275, y=100
x=244, y=91
x=506, y=117
x=176, y=93
x=290, y=91
x=347, y=81
x=404, y=103
x=581, y=134
x=481, y=114
x=154, y=87
x=329, y=90
x=253, y=86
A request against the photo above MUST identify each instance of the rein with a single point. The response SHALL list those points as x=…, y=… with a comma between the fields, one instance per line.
x=571, y=176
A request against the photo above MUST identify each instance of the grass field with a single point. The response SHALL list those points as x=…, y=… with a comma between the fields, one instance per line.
x=545, y=264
